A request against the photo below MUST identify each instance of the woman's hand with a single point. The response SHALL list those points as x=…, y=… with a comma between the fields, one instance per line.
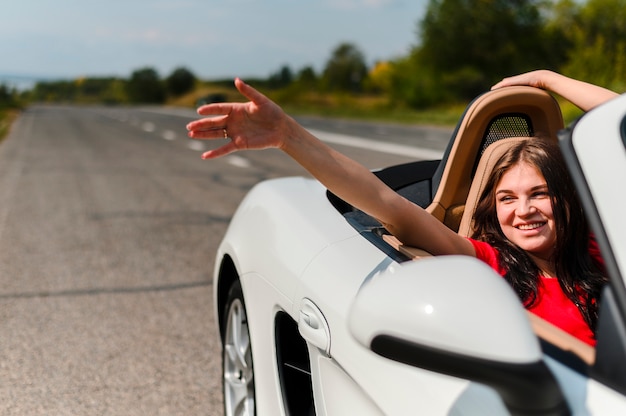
x=537, y=79
x=582, y=94
x=258, y=124
x=261, y=123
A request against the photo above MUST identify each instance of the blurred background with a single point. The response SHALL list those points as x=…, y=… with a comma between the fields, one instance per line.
x=405, y=60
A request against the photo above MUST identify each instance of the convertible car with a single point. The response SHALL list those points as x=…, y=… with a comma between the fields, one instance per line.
x=322, y=312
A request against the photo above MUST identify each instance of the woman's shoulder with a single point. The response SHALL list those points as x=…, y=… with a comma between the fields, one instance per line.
x=488, y=254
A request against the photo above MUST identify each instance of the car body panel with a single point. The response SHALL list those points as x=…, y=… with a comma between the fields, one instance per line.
x=586, y=396
x=263, y=302
x=334, y=277
x=331, y=270
x=599, y=145
x=277, y=238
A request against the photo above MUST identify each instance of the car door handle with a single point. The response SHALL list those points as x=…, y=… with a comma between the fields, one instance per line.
x=313, y=326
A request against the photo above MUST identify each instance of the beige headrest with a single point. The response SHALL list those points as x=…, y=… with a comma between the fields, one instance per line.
x=485, y=166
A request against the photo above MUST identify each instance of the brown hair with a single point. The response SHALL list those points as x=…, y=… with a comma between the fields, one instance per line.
x=580, y=278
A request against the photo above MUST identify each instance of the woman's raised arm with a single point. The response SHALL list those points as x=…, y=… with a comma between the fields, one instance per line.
x=582, y=94
x=260, y=123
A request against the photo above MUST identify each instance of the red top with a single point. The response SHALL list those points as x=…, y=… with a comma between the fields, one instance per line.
x=552, y=304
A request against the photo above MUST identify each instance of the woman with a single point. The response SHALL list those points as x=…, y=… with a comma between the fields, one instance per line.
x=523, y=229
x=521, y=196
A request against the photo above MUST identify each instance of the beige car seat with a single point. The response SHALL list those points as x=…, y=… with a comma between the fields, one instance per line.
x=508, y=112
x=491, y=124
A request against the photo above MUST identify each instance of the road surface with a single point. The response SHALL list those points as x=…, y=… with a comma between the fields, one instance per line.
x=109, y=222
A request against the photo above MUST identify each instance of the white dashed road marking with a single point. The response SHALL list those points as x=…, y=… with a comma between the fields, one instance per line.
x=169, y=135
x=239, y=161
x=196, y=145
x=148, y=126
x=387, y=147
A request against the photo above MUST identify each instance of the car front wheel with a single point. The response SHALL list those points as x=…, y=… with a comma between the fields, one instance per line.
x=238, y=372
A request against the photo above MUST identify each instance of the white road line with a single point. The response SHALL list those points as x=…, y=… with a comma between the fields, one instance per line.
x=386, y=147
x=196, y=145
x=336, y=138
x=148, y=126
x=342, y=139
x=169, y=135
x=239, y=161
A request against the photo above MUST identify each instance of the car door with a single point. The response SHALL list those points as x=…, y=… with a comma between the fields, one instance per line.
x=531, y=377
x=595, y=151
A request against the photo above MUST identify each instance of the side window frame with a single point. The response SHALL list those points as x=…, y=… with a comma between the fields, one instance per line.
x=609, y=367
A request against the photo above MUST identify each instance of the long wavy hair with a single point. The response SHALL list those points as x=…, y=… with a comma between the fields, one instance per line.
x=580, y=278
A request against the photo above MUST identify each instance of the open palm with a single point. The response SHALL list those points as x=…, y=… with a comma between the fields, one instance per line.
x=257, y=124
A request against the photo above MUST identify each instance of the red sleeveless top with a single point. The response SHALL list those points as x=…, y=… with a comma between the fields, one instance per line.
x=552, y=304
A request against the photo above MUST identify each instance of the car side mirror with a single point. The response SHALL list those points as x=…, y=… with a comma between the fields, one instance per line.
x=454, y=315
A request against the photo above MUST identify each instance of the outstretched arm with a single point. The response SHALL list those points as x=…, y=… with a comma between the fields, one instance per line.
x=582, y=94
x=260, y=124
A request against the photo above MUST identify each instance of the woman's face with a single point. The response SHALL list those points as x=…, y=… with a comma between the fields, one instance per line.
x=524, y=210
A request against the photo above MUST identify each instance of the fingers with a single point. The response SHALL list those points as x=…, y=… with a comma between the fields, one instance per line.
x=256, y=118
x=249, y=92
x=226, y=108
x=537, y=79
x=207, y=128
x=216, y=109
x=220, y=151
x=511, y=81
x=503, y=83
x=208, y=134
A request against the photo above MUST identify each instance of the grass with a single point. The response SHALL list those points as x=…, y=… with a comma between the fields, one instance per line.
x=375, y=109
x=570, y=111
x=6, y=119
x=362, y=107
x=357, y=107
x=189, y=100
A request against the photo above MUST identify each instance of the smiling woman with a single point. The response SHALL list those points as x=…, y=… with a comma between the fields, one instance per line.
x=524, y=212
x=523, y=228
x=352, y=228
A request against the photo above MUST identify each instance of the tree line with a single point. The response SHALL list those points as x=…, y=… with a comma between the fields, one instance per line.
x=465, y=46
x=462, y=48
x=143, y=86
x=10, y=98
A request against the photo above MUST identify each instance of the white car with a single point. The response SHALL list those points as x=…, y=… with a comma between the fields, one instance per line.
x=321, y=312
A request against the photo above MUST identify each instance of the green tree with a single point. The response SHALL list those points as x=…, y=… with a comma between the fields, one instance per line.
x=55, y=91
x=282, y=78
x=597, y=33
x=7, y=97
x=414, y=84
x=307, y=77
x=180, y=81
x=145, y=86
x=472, y=43
x=346, y=69
x=379, y=78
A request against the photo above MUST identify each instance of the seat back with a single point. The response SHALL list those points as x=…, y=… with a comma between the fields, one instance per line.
x=518, y=111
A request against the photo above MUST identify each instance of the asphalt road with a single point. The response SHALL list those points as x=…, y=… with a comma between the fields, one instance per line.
x=109, y=222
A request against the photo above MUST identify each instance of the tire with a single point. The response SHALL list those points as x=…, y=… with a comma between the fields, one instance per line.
x=237, y=368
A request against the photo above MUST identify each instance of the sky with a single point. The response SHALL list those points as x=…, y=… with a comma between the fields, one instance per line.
x=68, y=39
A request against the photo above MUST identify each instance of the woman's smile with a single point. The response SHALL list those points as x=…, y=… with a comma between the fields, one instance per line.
x=530, y=227
x=524, y=210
